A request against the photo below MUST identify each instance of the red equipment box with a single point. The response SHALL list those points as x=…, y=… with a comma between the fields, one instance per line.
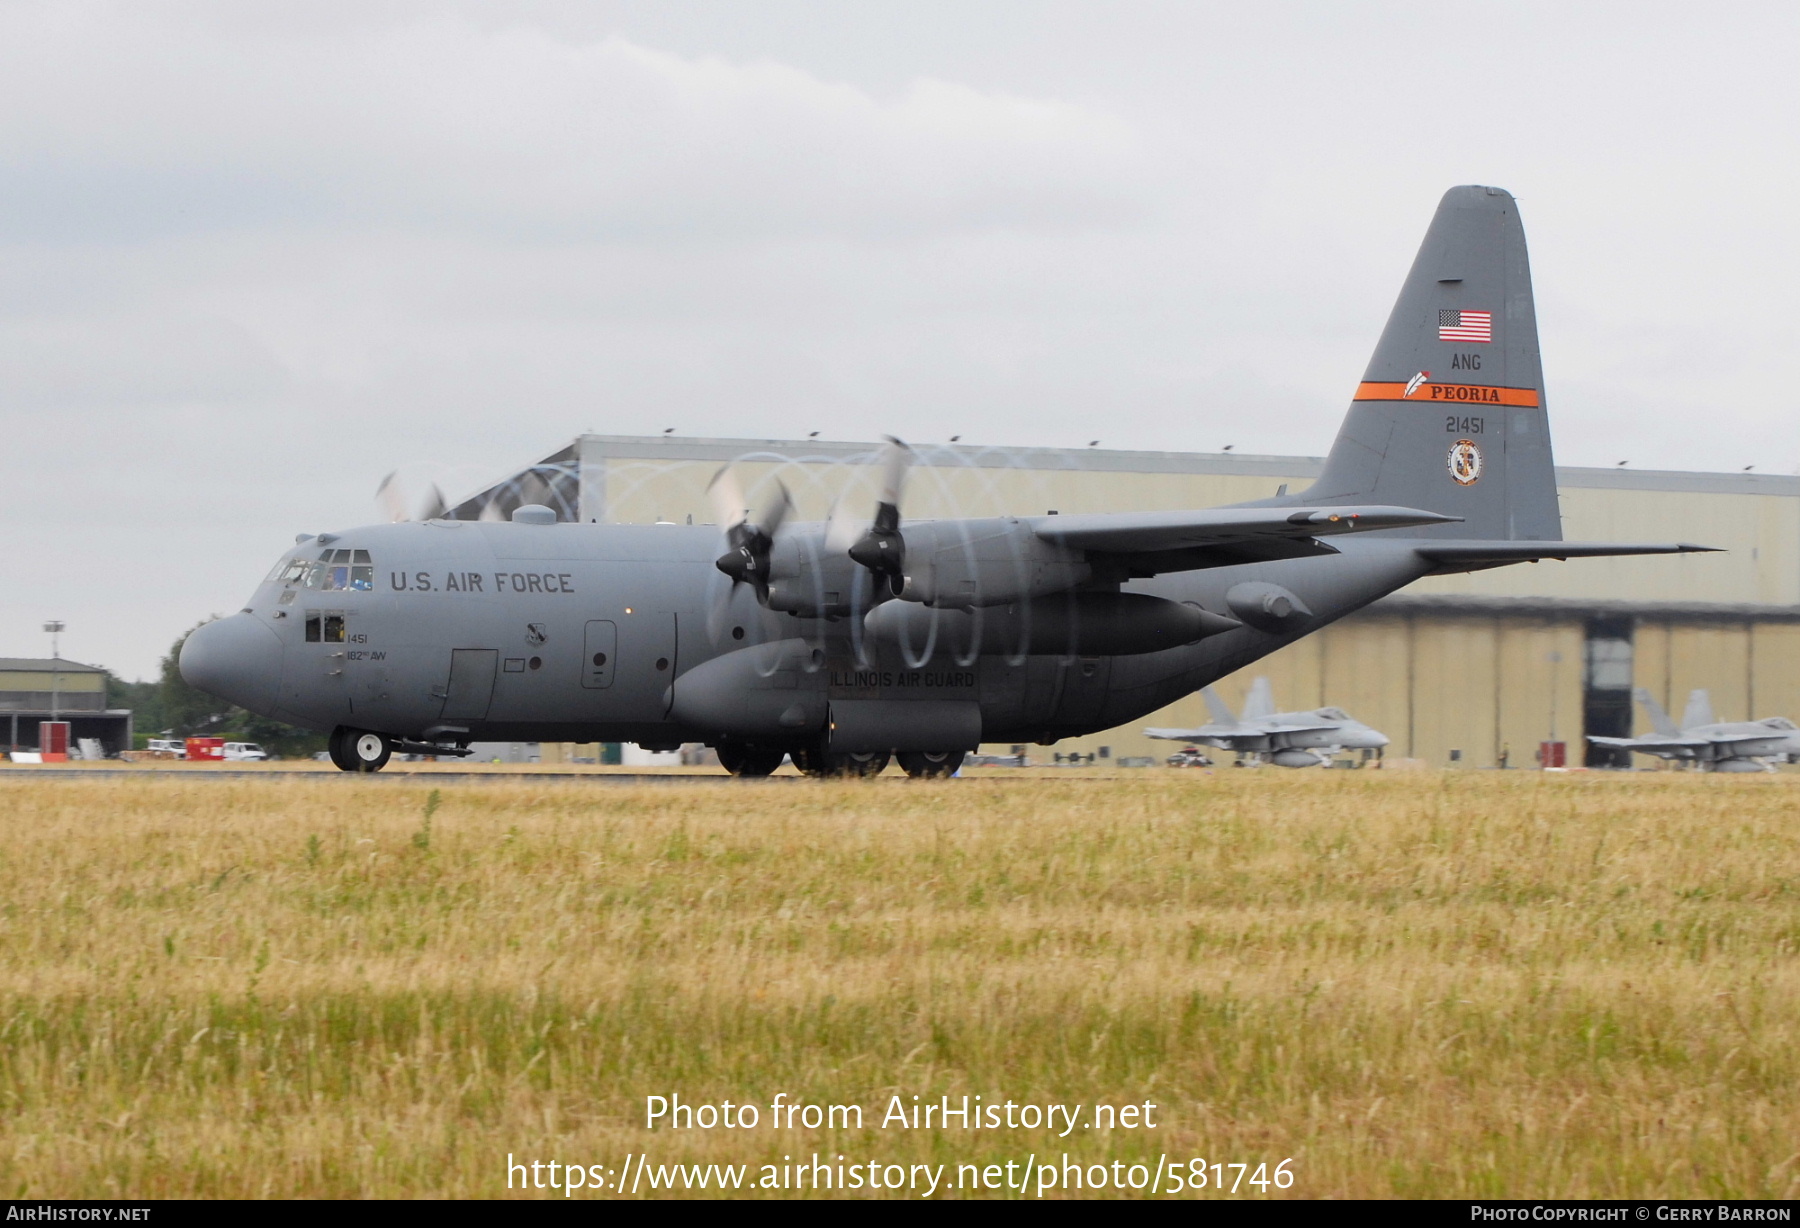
x=206, y=750
x=53, y=741
x=1553, y=754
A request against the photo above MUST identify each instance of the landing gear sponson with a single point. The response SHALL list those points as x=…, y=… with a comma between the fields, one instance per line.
x=747, y=761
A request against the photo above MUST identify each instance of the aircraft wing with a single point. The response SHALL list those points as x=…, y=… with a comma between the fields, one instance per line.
x=1148, y=543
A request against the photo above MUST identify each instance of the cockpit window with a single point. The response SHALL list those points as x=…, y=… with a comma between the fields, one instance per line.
x=288, y=570
x=328, y=571
x=1333, y=714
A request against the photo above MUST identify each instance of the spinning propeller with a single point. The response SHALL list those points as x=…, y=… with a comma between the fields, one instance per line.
x=391, y=495
x=746, y=558
x=879, y=547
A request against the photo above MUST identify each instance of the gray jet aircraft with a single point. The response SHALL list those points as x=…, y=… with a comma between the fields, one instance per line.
x=842, y=644
x=1715, y=745
x=1287, y=739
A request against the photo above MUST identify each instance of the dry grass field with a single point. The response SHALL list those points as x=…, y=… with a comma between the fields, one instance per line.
x=1412, y=984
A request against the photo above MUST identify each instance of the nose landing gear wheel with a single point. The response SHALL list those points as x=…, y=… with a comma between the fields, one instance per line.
x=925, y=764
x=359, y=750
x=747, y=761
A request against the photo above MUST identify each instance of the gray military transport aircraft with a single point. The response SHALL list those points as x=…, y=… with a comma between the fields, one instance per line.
x=1286, y=739
x=1703, y=739
x=843, y=644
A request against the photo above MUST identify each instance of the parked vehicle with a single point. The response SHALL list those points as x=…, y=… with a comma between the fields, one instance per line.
x=172, y=748
x=245, y=752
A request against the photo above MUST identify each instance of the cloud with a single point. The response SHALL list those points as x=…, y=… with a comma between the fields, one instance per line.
x=113, y=126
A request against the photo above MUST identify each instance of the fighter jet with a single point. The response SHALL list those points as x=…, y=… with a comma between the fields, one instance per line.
x=1287, y=739
x=1703, y=739
x=841, y=644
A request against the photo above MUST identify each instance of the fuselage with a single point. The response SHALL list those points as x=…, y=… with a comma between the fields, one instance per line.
x=1723, y=740
x=583, y=632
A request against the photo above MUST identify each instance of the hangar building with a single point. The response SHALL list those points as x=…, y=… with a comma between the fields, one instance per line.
x=1474, y=669
x=42, y=689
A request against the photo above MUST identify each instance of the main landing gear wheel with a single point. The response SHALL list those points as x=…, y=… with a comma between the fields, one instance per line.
x=359, y=750
x=747, y=761
x=924, y=764
x=816, y=762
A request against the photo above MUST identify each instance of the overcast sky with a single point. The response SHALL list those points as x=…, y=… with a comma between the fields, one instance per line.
x=250, y=263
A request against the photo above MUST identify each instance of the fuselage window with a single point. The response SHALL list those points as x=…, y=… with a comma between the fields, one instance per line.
x=324, y=627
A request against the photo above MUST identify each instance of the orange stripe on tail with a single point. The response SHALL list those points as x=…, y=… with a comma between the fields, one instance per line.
x=1449, y=394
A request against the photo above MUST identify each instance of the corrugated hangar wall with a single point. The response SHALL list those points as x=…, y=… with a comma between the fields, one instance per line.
x=1486, y=664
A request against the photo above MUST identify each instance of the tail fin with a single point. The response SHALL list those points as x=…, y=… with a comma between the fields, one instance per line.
x=1221, y=714
x=1450, y=415
x=1699, y=710
x=1261, y=700
x=1659, y=720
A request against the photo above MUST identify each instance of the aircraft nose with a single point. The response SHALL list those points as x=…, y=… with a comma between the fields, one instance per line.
x=236, y=658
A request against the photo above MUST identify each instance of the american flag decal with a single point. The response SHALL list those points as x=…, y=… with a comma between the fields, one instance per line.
x=1465, y=326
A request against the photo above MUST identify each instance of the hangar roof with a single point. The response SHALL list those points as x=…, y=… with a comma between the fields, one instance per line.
x=1754, y=517
x=46, y=665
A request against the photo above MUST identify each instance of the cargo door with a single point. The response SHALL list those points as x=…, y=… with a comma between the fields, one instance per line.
x=471, y=685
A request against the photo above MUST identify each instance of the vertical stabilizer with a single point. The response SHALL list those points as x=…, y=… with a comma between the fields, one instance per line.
x=1699, y=710
x=1221, y=714
x=1261, y=700
x=1659, y=720
x=1450, y=414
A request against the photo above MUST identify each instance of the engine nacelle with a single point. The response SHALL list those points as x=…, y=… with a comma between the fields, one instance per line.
x=963, y=564
x=1067, y=624
x=808, y=581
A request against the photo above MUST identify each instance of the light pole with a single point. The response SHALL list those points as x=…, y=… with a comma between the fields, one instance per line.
x=55, y=628
x=1555, y=660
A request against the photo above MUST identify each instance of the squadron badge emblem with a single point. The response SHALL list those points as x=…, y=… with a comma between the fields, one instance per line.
x=1465, y=462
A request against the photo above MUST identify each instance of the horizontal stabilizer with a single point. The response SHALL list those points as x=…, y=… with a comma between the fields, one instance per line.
x=1478, y=552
